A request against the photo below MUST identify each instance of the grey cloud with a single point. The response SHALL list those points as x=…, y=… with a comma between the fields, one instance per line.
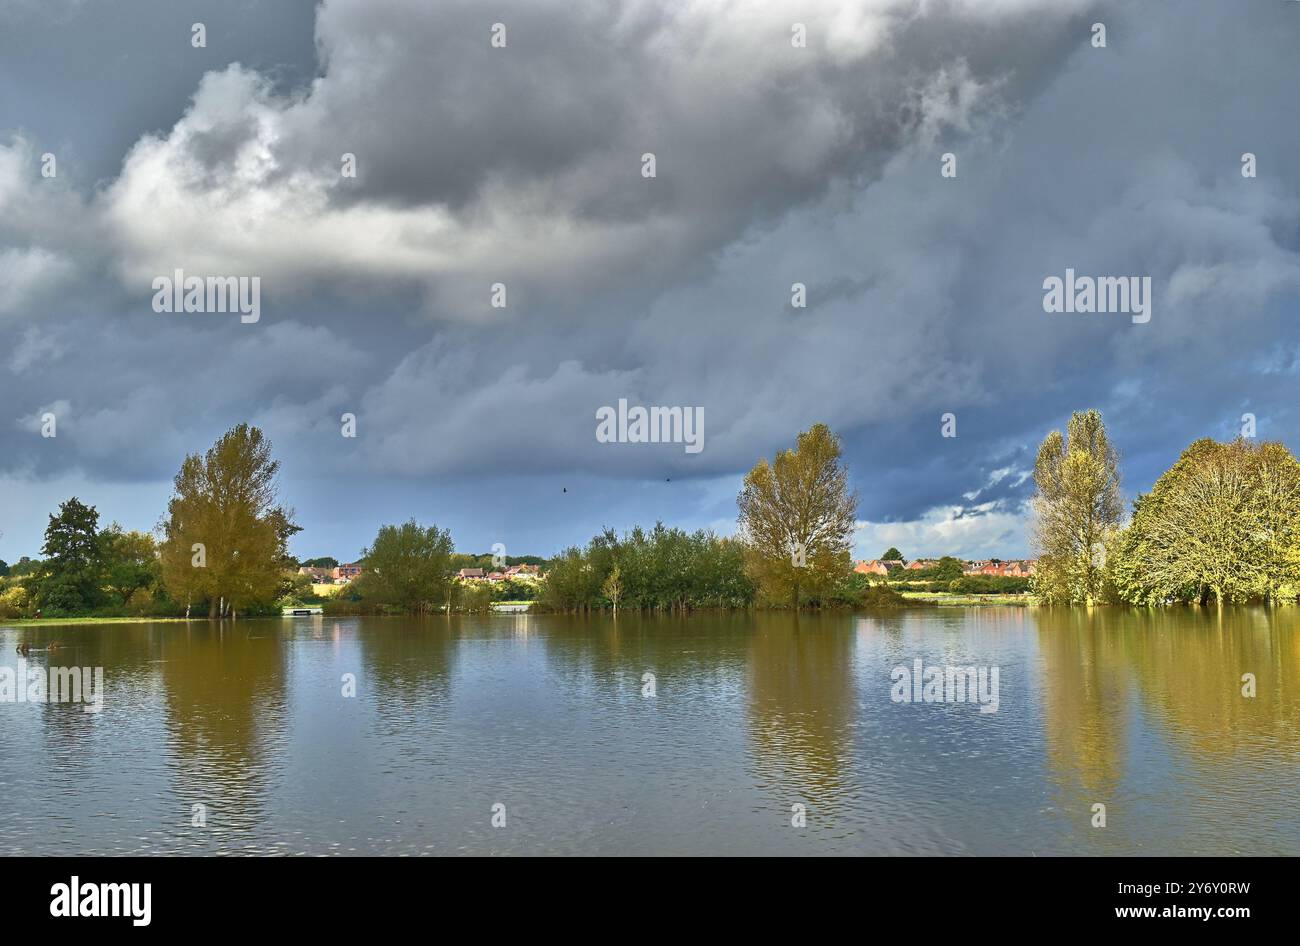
x=925, y=294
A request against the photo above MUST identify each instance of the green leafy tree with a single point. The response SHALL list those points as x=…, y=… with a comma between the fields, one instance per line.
x=1077, y=506
x=225, y=539
x=891, y=554
x=796, y=517
x=949, y=569
x=71, y=574
x=130, y=562
x=1223, y=523
x=409, y=567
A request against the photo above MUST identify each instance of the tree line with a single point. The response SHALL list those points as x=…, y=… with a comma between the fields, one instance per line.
x=1222, y=525
x=796, y=515
x=221, y=549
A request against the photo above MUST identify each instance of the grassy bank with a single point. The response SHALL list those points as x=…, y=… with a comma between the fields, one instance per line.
x=60, y=622
x=952, y=598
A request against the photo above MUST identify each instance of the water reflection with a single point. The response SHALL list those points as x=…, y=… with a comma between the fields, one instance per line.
x=1142, y=711
x=802, y=706
x=1146, y=705
x=224, y=696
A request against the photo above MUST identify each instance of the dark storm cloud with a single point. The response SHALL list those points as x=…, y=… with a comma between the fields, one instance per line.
x=776, y=166
x=87, y=79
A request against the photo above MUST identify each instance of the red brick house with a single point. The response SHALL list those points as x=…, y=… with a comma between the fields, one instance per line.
x=1015, y=569
x=878, y=567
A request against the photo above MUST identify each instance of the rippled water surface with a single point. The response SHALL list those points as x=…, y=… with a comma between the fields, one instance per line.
x=752, y=714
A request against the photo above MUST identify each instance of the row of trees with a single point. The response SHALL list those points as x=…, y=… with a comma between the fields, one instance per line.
x=1222, y=524
x=663, y=569
x=796, y=516
x=85, y=568
x=223, y=548
x=223, y=545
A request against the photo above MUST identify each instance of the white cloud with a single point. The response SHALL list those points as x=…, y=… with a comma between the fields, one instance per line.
x=979, y=531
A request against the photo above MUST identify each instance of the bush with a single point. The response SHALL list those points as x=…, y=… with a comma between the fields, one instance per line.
x=477, y=597
x=989, y=585
x=859, y=591
x=14, y=602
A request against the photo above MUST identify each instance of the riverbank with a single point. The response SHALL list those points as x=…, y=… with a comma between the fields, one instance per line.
x=59, y=622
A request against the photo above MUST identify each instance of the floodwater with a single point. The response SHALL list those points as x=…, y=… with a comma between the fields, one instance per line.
x=706, y=734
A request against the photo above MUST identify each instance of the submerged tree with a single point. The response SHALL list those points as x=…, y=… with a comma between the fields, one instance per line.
x=225, y=539
x=797, y=515
x=1077, y=508
x=409, y=567
x=1222, y=523
x=613, y=588
x=662, y=569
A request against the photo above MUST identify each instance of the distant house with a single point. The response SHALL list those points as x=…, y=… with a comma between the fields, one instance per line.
x=878, y=566
x=1013, y=569
x=921, y=564
x=523, y=571
x=345, y=573
x=317, y=575
x=471, y=574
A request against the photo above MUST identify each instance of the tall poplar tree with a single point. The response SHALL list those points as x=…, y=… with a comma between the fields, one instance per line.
x=1077, y=508
x=226, y=535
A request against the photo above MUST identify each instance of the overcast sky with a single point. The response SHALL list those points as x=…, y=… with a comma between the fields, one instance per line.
x=523, y=166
